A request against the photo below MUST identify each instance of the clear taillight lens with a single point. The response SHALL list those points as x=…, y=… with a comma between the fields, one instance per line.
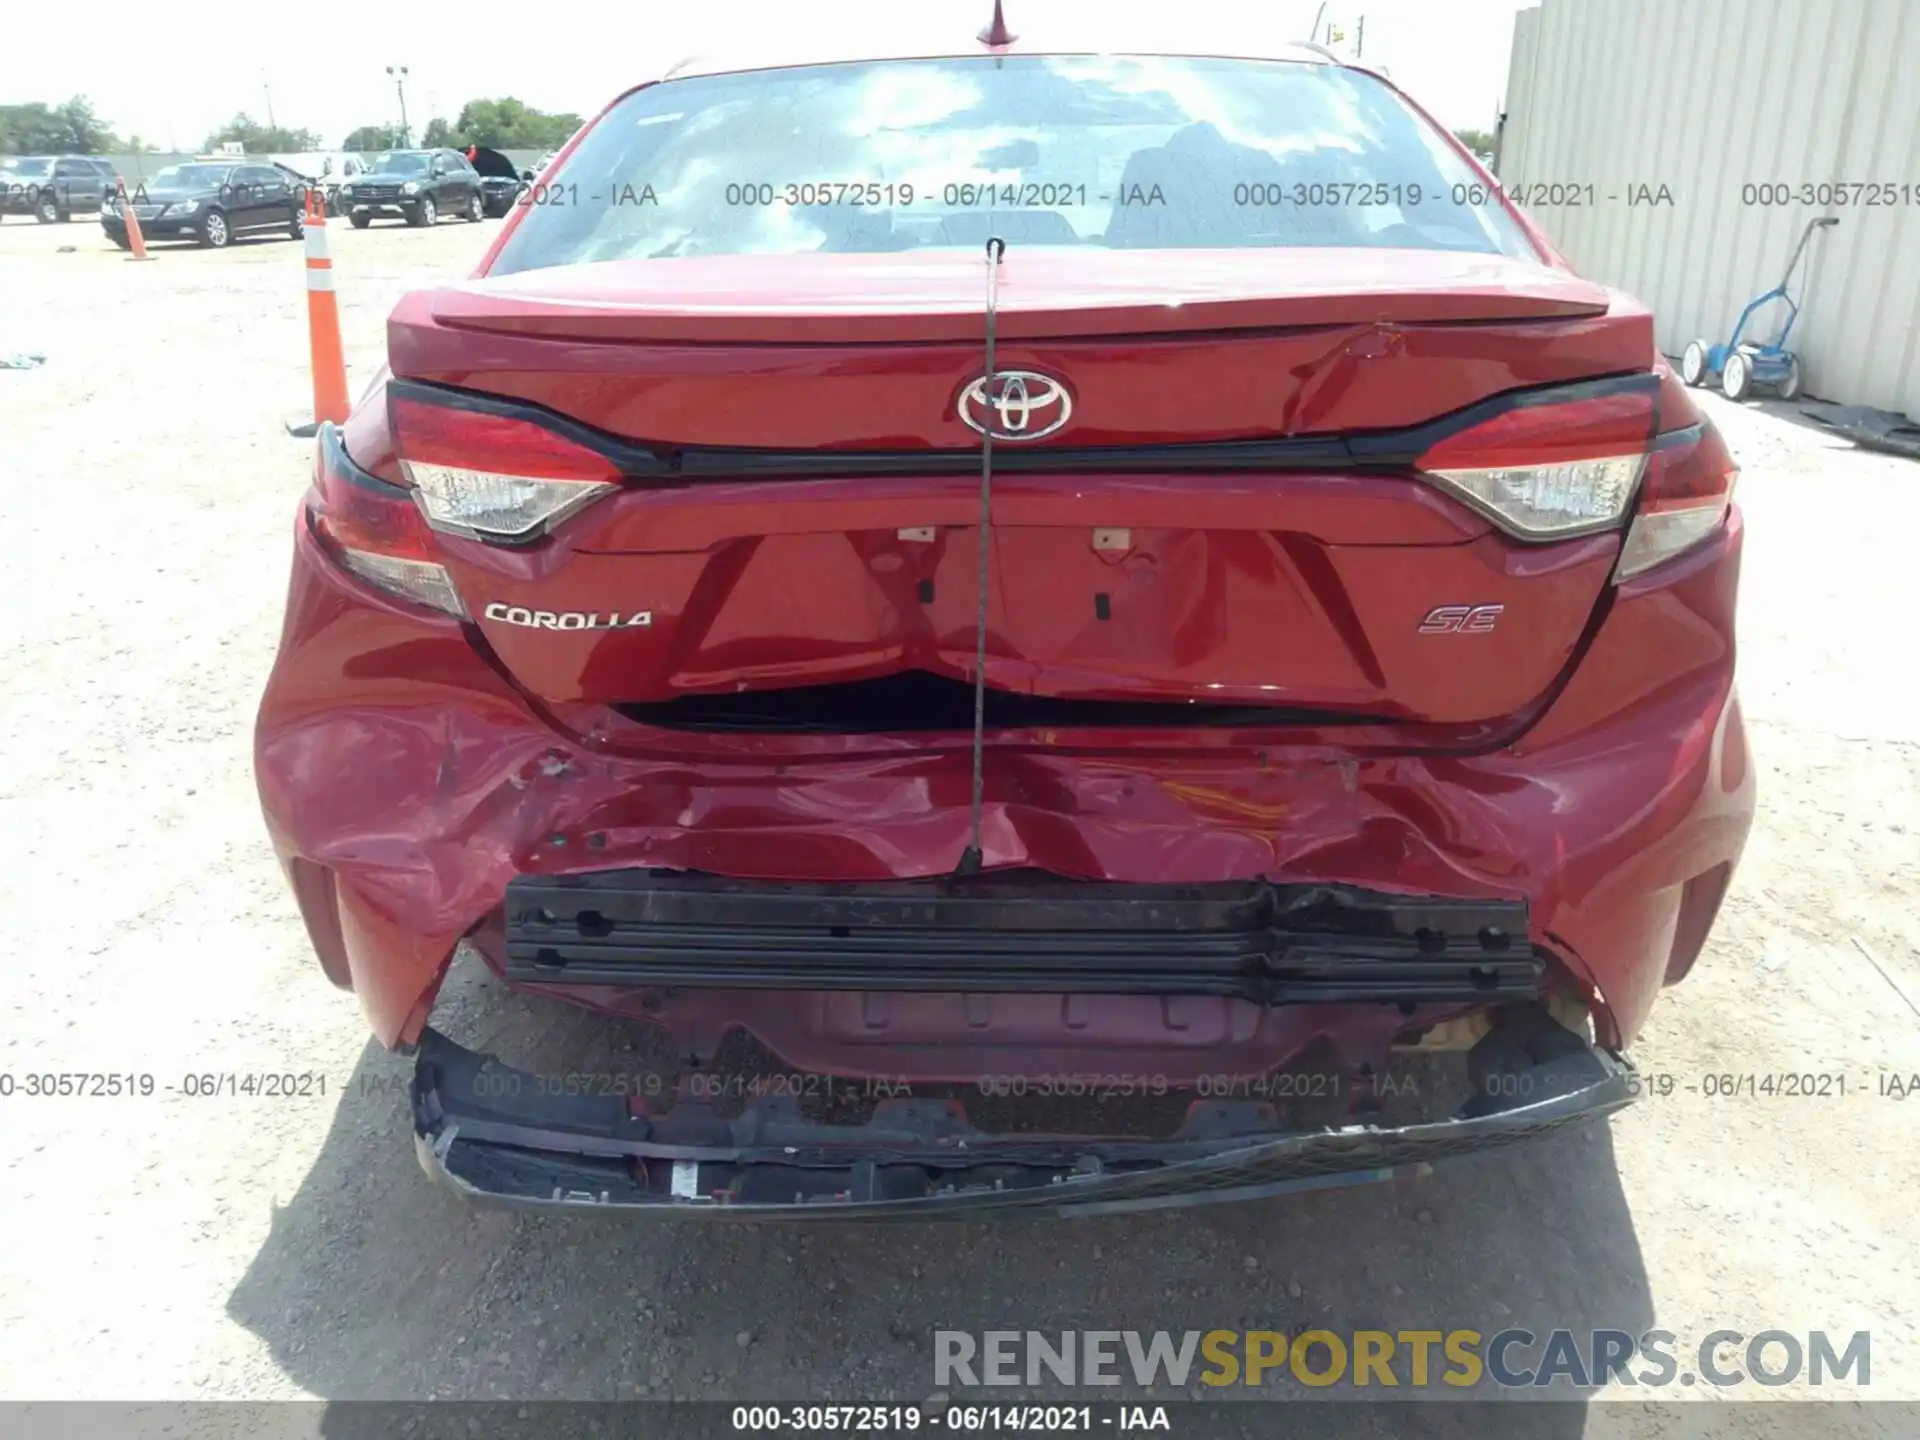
x=376, y=531
x=1550, y=501
x=1689, y=486
x=1553, y=468
x=420, y=581
x=1548, y=470
x=493, y=477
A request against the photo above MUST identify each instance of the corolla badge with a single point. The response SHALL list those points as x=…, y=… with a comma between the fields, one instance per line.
x=568, y=619
x=1024, y=405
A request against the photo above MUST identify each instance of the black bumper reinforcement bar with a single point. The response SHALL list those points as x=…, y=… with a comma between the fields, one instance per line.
x=1273, y=944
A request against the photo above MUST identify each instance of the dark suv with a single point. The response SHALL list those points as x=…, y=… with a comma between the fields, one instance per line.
x=500, y=183
x=52, y=187
x=418, y=185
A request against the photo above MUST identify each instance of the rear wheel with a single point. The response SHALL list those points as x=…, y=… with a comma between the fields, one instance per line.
x=1693, y=364
x=1737, y=378
x=1790, y=383
x=297, y=224
x=476, y=212
x=47, y=210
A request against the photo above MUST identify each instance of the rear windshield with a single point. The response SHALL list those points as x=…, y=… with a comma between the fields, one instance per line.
x=1121, y=152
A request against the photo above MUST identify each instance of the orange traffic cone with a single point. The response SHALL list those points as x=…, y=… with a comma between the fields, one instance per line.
x=323, y=324
x=134, y=237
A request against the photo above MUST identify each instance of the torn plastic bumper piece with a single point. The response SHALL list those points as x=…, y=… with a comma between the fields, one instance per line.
x=1887, y=431
x=497, y=1135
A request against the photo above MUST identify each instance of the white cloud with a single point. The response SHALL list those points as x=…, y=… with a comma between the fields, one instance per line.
x=171, y=73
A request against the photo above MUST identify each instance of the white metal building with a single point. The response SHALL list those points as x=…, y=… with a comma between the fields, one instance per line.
x=1756, y=115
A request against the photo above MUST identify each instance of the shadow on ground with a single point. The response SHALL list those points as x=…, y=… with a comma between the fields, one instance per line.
x=376, y=1284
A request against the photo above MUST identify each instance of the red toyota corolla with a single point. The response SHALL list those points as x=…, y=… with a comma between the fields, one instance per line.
x=1074, y=629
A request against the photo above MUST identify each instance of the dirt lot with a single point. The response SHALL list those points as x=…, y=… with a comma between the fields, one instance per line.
x=234, y=1248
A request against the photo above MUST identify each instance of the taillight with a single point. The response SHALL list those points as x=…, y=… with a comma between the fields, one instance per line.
x=1689, y=485
x=377, y=531
x=493, y=477
x=1551, y=469
x=1548, y=471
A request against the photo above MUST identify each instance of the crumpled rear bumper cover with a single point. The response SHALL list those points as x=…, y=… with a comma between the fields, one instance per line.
x=406, y=782
x=492, y=1134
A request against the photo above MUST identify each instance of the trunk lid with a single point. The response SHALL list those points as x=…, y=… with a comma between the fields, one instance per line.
x=843, y=552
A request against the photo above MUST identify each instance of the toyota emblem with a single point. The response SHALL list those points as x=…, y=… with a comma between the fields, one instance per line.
x=1024, y=405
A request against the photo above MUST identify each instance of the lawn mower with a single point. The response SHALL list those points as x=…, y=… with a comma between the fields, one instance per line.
x=1742, y=365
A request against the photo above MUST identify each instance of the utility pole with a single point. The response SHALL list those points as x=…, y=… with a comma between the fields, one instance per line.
x=266, y=86
x=399, y=73
x=1360, y=40
x=1313, y=35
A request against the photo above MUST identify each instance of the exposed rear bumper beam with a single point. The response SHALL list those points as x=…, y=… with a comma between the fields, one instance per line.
x=1272, y=944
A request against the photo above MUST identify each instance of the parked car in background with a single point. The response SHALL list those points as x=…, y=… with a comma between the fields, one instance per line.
x=1349, y=625
x=53, y=187
x=418, y=186
x=337, y=171
x=211, y=202
x=500, y=184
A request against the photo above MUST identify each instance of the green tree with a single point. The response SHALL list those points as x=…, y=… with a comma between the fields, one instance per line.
x=1478, y=141
x=372, y=137
x=70, y=128
x=437, y=135
x=510, y=124
x=258, y=139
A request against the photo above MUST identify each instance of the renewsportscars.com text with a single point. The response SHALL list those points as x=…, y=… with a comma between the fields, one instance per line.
x=1512, y=1358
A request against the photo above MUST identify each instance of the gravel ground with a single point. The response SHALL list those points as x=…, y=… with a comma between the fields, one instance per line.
x=168, y=1247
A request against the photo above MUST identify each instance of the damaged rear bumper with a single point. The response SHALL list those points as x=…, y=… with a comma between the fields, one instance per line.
x=499, y=1135
x=1008, y=932
x=407, y=784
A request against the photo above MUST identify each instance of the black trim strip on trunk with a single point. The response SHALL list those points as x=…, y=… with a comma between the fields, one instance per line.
x=1395, y=449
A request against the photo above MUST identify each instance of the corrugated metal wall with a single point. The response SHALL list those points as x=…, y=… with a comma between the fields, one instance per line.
x=1707, y=97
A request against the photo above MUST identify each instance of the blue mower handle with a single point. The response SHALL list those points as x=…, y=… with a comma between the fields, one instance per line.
x=1805, y=235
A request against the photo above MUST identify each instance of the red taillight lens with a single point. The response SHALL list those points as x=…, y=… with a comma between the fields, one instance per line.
x=377, y=531
x=1550, y=432
x=490, y=476
x=1549, y=470
x=362, y=513
x=1684, y=499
